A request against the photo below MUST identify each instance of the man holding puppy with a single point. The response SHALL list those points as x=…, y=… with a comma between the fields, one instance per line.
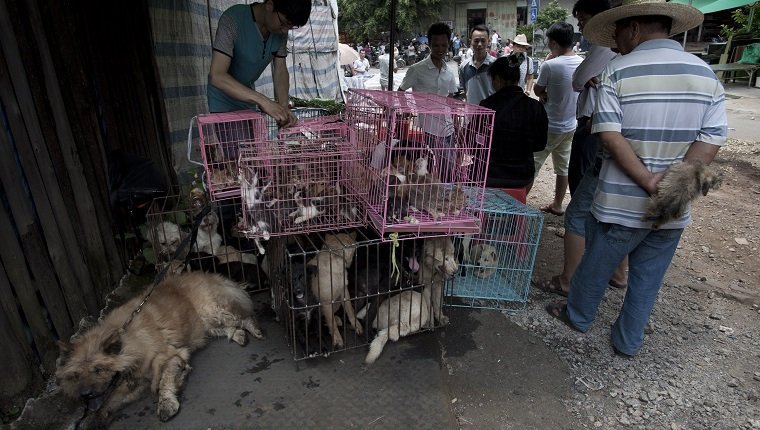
x=656, y=105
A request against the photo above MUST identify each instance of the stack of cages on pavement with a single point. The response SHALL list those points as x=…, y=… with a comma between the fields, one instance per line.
x=222, y=136
x=299, y=182
x=418, y=151
x=357, y=282
x=497, y=263
x=219, y=246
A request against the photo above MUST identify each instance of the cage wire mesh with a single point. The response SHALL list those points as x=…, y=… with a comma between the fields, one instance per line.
x=418, y=151
x=336, y=291
x=299, y=182
x=219, y=247
x=221, y=136
x=497, y=263
x=302, y=113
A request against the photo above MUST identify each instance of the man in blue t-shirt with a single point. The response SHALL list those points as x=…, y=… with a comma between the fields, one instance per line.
x=248, y=38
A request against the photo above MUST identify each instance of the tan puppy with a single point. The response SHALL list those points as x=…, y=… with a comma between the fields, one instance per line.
x=111, y=365
x=485, y=258
x=682, y=184
x=330, y=281
x=439, y=263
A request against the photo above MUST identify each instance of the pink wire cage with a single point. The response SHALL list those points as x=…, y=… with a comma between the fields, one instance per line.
x=419, y=152
x=222, y=136
x=301, y=181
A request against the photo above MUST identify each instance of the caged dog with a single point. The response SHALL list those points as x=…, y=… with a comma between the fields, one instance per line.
x=485, y=258
x=410, y=311
x=117, y=361
x=329, y=283
x=683, y=183
x=309, y=332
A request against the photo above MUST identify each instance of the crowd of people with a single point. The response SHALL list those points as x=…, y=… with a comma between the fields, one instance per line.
x=613, y=122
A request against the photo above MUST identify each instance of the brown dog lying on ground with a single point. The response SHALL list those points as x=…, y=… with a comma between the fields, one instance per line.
x=111, y=365
x=682, y=183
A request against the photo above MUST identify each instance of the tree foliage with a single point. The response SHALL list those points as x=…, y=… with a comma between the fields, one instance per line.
x=742, y=24
x=527, y=30
x=371, y=18
x=550, y=14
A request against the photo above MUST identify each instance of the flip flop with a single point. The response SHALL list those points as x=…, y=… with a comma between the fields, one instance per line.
x=558, y=310
x=550, y=209
x=553, y=286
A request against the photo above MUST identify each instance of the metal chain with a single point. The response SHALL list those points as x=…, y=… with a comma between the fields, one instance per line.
x=188, y=241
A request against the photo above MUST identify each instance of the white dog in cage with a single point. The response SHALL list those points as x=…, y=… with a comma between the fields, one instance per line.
x=408, y=312
x=167, y=236
x=253, y=198
x=485, y=259
x=208, y=240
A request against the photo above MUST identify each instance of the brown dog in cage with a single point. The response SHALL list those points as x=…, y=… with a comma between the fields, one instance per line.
x=682, y=184
x=117, y=361
x=410, y=311
x=330, y=282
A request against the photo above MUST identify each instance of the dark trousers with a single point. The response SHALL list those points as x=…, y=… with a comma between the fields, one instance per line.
x=582, y=152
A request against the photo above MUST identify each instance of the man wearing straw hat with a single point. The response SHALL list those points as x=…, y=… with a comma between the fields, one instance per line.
x=521, y=45
x=656, y=105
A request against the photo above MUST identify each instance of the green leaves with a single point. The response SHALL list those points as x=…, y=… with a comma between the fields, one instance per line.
x=371, y=18
x=550, y=14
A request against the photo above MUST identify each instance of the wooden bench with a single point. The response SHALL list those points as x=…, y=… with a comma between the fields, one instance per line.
x=749, y=69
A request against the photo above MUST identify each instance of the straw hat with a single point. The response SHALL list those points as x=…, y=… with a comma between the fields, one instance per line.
x=600, y=29
x=521, y=39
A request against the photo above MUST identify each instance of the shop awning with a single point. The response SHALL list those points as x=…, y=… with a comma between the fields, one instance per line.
x=709, y=6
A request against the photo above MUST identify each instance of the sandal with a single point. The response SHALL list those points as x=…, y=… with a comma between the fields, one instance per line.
x=552, y=286
x=551, y=210
x=558, y=310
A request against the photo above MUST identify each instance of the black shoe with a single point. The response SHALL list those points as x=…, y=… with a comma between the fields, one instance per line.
x=622, y=354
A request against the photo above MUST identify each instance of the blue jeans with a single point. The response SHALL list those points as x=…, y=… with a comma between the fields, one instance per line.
x=649, y=255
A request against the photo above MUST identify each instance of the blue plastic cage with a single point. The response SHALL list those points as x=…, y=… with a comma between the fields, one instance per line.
x=497, y=264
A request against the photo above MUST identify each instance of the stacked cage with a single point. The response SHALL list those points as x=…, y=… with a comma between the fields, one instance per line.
x=497, y=263
x=300, y=181
x=350, y=288
x=418, y=153
x=222, y=136
x=218, y=246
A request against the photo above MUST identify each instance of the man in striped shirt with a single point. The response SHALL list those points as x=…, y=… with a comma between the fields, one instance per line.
x=656, y=105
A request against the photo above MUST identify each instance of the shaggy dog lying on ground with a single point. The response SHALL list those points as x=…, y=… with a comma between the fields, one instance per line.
x=111, y=364
x=683, y=183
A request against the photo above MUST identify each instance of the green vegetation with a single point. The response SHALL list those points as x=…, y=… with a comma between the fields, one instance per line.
x=331, y=107
x=527, y=30
x=550, y=14
x=742, y=23
x=371, y=18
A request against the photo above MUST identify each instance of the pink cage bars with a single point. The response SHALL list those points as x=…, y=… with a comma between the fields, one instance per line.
x=222, y=135
x=300, y=181
x=418, y=151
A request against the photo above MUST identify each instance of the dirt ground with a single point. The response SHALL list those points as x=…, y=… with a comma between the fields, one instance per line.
x=699, y=365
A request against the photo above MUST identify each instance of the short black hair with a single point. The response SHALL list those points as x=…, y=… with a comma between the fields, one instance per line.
x=665, y=22
x=437, y=29
x=295, y=11
x=480, y=27
x=591, y=7
x=561, y=33
x=507, y=68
